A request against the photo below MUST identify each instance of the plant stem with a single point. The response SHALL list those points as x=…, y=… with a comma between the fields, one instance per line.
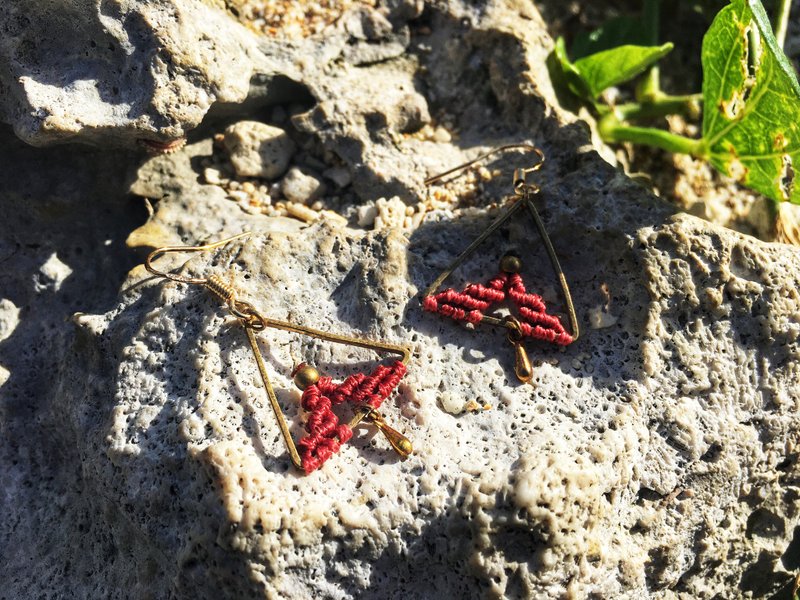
x=651, y=137
x=781, y=22
x=650, y=87
x=660, y=106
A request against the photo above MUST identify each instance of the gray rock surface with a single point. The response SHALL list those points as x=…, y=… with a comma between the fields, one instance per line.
x=656, y=457
x=595, y=479
x=120, y=71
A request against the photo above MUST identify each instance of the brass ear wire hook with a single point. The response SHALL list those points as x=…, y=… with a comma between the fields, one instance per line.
x=500, y=149
x=253, y=321
x=148, y=262
x=524, y=192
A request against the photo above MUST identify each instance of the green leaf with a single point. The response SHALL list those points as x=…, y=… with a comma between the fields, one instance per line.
x=568, y=76
x=614, y=32
x=612, y=67
x=751, y=99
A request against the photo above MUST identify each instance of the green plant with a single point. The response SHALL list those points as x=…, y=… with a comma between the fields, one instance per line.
x=750, y=94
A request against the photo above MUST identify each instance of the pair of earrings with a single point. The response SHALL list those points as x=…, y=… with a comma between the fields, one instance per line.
x=365, y=394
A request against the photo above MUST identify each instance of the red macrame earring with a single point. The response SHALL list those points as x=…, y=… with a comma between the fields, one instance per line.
x=364, y=394
x=324, y=434
x=473, y=303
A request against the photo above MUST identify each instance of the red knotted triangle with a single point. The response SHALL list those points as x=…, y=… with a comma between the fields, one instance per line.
x=471, y=304
x=325, y=434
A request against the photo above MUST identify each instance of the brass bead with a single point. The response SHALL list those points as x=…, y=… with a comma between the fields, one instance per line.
x=510, y=264
x=305, y=375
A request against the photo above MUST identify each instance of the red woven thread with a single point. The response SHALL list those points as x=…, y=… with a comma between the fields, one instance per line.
x=471, y=304
x=324, y=433
x=476, y=298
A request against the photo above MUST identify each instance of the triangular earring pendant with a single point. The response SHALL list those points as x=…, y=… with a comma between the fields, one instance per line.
x=324, y=433
x=473, y=303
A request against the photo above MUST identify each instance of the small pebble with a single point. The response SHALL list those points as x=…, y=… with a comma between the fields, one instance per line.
x=212, y=176
x=248, y=188
x=473, y=406
x=452, y=403
x=416, y=220
x=441, y=135
x=258, y=150
x=249, y=207
x=366, y=215
x=339, y=175
x=301, y=211
x=301, y=187
x=410, y=113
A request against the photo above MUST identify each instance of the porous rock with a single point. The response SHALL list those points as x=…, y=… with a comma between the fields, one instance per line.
x=596, y=479
x=656, y=456
x=114, y=73
x=258, y=150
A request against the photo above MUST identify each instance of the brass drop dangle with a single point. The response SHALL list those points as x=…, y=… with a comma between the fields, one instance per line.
x=400, y=443
x=522, y=364
x=365, y=393
x=471, y=304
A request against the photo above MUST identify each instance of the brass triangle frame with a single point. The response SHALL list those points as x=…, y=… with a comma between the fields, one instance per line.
x=524, y=192
x=254, y=322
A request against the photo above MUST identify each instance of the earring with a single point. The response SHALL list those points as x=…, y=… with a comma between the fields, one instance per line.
x=471, y=305
x=365, y=393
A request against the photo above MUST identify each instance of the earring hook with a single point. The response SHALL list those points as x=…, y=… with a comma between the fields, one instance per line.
x=148, y=262
x=519, y=181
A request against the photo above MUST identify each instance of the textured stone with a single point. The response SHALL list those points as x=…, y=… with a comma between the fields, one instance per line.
x=258, y=150
x=68, y=205
x=601, y=473
x=655, y=457
x=117, y=72
x=9, y=318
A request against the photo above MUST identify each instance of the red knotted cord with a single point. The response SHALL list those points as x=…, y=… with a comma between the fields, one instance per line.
x=471, y=304
x=325, y=435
